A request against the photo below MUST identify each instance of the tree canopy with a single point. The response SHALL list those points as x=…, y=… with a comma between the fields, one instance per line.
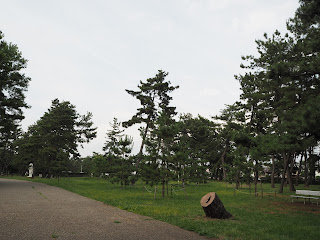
x=154, y=98
x=13, y=85
x=55, y=138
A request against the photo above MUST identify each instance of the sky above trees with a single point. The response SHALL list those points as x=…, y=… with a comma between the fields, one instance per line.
x=89, y=52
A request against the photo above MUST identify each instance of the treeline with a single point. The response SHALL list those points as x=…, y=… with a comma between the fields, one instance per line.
x=273, y=128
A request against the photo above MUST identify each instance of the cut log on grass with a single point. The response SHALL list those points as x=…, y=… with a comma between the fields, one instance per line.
x=213, y=207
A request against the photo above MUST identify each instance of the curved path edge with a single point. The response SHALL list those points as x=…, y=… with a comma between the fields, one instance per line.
x=31, y=210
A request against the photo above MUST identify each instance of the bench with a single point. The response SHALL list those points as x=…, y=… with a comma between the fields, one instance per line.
x=307, y=194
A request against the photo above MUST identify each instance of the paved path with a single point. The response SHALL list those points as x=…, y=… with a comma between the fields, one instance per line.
x=30, y=210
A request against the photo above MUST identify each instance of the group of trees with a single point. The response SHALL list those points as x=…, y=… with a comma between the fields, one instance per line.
x=52, y=142
x=274, y=124
x=280, y=96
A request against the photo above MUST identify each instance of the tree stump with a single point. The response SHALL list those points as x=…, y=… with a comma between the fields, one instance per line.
x=213, y=207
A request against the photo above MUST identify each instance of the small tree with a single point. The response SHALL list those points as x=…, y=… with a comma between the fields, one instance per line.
x=117, y=152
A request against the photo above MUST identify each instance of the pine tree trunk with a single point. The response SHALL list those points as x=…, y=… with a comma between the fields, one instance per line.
x=255, y=181
x=312, y=168
x=292, y=188
x=273, y=172
x=142, y=145
x=306, y=180
x=224, y=174
x=213, y=207
x=299, y=171
x=167, y=186
x=238, y=179
x=163, y=183
x=285, y=167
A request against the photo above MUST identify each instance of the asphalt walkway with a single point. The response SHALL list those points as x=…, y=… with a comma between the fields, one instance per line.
x=30, y=210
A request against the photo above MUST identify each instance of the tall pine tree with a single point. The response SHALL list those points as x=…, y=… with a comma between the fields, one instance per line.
x=13, y=84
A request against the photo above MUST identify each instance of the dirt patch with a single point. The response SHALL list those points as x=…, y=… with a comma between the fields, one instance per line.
x=206, y=219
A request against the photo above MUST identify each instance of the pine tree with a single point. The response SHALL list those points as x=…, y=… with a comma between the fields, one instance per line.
x=13, y=84
x=154, y=98
x=117, y=150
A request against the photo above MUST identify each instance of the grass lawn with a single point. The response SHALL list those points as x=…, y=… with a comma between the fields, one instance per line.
x=254, y=217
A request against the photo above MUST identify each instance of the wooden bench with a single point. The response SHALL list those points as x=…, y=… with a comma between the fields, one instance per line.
x=307, y=194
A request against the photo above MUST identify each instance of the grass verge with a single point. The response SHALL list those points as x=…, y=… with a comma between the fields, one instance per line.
x=254, y=217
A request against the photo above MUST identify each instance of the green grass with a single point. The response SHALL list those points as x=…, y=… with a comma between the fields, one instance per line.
x=253, y=217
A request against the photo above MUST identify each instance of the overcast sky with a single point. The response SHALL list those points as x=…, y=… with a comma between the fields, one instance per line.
x=89, y=52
